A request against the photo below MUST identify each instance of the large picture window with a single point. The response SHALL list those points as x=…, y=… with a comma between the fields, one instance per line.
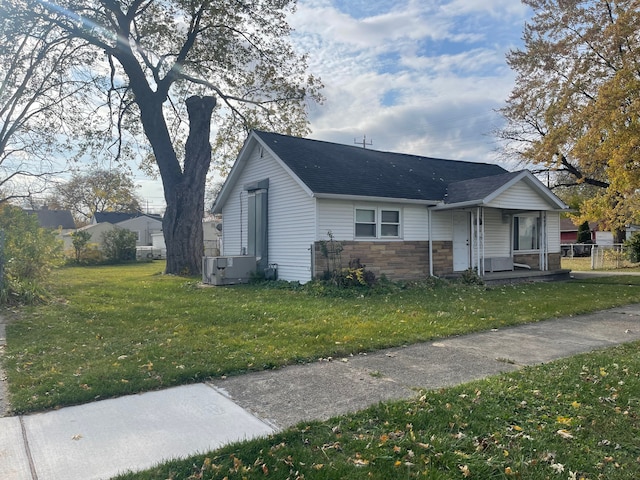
x=526, y=233
x=377, y=223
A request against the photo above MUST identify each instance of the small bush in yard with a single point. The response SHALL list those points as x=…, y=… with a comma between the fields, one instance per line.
x=470, y=277
x=27, y=255
x=119, y=245
x=356, y=275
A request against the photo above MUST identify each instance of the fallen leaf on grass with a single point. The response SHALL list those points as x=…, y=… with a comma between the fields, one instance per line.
x=565, y=434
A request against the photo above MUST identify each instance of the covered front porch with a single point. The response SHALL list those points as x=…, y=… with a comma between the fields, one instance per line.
x=508, y=240
x=505, y=227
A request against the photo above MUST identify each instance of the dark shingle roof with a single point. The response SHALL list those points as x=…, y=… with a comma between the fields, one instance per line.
x=117, y=217
x=54, y=218
x=477, y=188
x=332, y=168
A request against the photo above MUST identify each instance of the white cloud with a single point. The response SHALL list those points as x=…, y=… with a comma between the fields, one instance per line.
x=414, y=76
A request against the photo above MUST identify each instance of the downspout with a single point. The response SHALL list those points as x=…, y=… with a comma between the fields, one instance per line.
x=430, y=242
x=482, y=222
x=241, y=248
x=545, y=258
x=478, y=269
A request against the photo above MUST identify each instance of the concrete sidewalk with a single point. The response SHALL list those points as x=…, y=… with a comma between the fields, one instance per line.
x=102, y=439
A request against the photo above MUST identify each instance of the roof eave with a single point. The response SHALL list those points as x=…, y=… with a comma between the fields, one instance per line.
x=365, y=198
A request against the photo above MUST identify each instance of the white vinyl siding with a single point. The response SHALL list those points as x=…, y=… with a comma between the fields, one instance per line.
x=289, y=206
x=520, y=197
x=415, y=223
x=553, y=232
x=335, y=216
x=442, y=226
x=497, y=234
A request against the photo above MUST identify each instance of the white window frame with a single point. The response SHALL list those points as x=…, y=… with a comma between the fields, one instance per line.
x=377, y=223
x=538, y=225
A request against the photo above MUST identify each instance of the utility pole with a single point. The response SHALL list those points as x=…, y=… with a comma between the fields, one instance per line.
x=363, y=142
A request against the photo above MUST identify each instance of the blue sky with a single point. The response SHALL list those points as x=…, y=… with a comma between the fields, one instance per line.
x=414, y=76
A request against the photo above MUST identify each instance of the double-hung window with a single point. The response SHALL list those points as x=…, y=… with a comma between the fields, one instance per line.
x=377, y=223
x=526, y=233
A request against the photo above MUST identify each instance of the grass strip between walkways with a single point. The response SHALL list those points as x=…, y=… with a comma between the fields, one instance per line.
x=576, y=418
x=118, y=330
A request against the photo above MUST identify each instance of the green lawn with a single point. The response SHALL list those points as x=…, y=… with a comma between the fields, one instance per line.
x=577, y=418
x=122, y=329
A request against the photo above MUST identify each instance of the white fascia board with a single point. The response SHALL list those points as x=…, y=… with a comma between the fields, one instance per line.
x=454, y=206
x=364, y=198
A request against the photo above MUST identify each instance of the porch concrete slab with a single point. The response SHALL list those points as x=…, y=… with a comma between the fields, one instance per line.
x=14, y=461
x=103, y=439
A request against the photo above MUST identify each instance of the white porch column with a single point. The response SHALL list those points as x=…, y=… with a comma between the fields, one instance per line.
x=477, y=238
x=544, y=242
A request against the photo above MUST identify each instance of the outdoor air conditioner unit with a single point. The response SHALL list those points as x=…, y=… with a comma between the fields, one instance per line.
x=228, y=270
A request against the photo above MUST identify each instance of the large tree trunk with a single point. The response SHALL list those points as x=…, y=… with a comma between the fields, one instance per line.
x=182, y=222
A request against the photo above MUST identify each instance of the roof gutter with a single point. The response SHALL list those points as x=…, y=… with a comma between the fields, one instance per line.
x=365, y=198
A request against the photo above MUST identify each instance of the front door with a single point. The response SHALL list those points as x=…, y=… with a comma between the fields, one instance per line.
x=461, y=241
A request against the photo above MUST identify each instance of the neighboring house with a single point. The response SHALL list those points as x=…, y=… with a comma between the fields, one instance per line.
x=96, y=231
x=61, y=220
x=569, y=231
x=144, y=225
x=404, y=216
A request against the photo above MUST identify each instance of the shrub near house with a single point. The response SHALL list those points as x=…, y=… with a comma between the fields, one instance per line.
x=119, y=245
x=27, y=254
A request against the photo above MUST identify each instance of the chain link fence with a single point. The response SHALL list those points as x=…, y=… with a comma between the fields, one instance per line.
x=609, y=257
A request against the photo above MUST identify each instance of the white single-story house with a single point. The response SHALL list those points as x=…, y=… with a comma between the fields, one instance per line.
x=95, y=230
x=404, y=216
x=143, y=225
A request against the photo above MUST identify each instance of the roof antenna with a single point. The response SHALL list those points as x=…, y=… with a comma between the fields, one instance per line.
x=363, y=142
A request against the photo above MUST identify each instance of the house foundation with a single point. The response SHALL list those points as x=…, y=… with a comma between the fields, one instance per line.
x=533, y=260
x=395, y=260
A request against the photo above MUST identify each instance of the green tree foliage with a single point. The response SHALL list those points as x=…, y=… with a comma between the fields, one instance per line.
x=80, y=240
x=97, y=190
x=632, y=248
x=574, y=109
x=172, y=60
x=584, y=233
x=119, y=245
x=29, y=254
